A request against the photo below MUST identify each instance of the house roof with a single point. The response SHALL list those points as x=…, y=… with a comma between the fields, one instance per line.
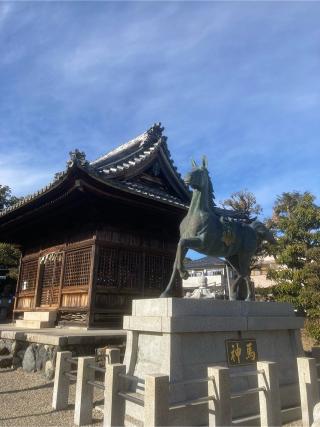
x=142, y=167
x=122, y=167
x=205, y=262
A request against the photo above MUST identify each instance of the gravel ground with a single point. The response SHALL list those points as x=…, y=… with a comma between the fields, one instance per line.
x=25, y=400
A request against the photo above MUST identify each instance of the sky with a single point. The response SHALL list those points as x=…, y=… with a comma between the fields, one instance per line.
x=238, y=81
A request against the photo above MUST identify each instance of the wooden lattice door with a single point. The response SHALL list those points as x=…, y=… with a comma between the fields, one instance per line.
x=50, y=274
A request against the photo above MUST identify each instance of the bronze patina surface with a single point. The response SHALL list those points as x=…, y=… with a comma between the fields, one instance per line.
x=206, y=231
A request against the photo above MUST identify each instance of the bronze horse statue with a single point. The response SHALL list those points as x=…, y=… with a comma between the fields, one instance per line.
x=209, y=233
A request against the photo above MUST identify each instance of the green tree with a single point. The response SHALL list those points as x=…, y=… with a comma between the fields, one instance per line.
x=296, y=221
x=9, y=254
x=243, y=201
x=6, y=198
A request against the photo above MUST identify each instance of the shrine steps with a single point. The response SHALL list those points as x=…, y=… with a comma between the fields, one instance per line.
x=37, y=320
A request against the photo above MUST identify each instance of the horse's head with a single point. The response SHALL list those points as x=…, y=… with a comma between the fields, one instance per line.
x=197, y=178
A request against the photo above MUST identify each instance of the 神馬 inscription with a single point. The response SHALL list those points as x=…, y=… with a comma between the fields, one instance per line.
x=241, y=352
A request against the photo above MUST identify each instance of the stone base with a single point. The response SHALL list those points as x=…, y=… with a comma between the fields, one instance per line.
x=35, y=350
x=37, y=320
x=33, y=324
x=182, y=337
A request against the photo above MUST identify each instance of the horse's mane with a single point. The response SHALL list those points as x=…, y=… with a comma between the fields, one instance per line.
x=211, y=196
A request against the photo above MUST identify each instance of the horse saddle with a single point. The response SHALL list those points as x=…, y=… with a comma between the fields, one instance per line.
x=228, y=231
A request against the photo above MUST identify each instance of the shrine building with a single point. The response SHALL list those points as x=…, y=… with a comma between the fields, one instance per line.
x=101, y=234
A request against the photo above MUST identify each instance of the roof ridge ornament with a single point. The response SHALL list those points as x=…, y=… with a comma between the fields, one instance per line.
x=77, y=158
x=156, y=130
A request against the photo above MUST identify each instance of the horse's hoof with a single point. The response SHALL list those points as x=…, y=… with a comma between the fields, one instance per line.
x=249, y=298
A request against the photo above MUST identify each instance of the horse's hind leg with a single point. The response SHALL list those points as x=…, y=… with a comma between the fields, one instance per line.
x=244, y=268
x=234, y=263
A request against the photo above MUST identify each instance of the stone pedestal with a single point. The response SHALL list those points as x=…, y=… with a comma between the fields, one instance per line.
x=182, y=337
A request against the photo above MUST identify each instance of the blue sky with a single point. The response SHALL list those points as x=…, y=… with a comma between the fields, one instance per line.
x=237, y=81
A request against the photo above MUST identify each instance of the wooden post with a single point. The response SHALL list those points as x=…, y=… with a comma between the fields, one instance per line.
x=269, y=400
x=61, y=278
x=92, y=281
x=84, y=392
x=61, y=381
x=114, y=405
x=219, y=388
x=17, y=287
x=308, y=384
x=37, y=289
x=156, y=400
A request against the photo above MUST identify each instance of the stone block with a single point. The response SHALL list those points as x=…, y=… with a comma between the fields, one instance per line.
x=84, y=392
x=114, y=405
x=13, y=335
x=208, y=307
x=49, y=370
x=33, y=324
x=205, y=324
x=29, y=359
x=61, y=381
x=156, y=400
x=269, y=398
x=44, y=316
x=151, y=307
x=274, y=323
x=309, y=392
x=182, y=337
x=269, y=309
x=41, y=338
x=154, y=323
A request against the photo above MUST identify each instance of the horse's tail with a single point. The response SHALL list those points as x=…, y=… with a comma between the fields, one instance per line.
x=263, y=232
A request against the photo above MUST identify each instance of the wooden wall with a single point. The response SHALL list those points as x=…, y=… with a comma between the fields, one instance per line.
x=93, y=281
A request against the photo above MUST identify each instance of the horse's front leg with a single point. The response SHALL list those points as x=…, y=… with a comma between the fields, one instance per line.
x=183, y=246
x=250, y=291
x=182, y=249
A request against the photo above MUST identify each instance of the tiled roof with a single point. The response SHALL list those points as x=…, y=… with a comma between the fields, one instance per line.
x=205, y=262
x=117, y=166
x=150, y=192
x=130, y=149
x=126, y=160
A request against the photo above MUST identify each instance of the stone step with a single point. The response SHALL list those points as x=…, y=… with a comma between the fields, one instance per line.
x=45, y=316
x=33, y=324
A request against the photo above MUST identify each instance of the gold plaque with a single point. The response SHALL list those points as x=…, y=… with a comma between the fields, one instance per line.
x=241, y=352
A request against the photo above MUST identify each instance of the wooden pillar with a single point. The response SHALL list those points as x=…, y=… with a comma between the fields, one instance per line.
x=38, y=288
x=17, y=285
x=92, y=282
x=61, y=278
